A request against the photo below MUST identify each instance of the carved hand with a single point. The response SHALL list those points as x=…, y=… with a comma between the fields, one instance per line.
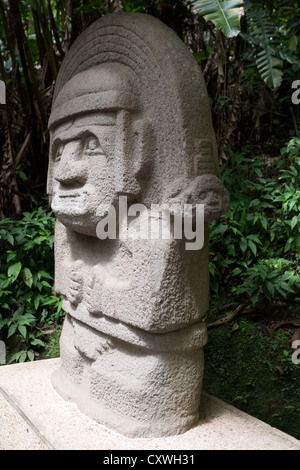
x=75, y=290
x=206, y=189
x=92, y=294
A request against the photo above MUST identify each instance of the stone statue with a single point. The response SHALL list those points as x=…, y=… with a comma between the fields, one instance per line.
x=131, y=122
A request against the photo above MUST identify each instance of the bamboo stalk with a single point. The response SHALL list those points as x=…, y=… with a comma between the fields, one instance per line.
x=10, y=174
x=15, y=27
x=39, y=36
x=42, y=16
x=54, y=29
x=22, y=37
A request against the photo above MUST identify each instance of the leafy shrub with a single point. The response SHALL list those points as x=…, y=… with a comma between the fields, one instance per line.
x=27, y=298
x=255, y=246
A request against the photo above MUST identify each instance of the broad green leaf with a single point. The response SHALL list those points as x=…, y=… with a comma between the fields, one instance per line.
x=44, y=274
x=285, y=286
x=36, y=302
x=255, y=297
x=30, y=355
x=254, y=238
x=10, y=238
x=27, y=277
x=46, y=284
x=294, y=221
x=252, y=246
x=270, y=288
x=293, y=42
x=14, y=271
x=23, y=356
x=267, y=293
x=3, y=322
x=264, y=221
x=22, y=329
x=243, y=245
x=11, y=330
x=212, y=268
x=18, y=312
x=224, y=14
x=39, y=240
x=270, y=67
x=37, y=342
x=11, y=256
x=219, y=229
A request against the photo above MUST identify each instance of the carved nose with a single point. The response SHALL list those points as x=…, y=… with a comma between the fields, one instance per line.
x=215, y=199
x=70, y=173
x=68, y=170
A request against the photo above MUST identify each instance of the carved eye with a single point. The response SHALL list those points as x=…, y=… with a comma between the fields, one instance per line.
x=59, y=151
x=92, y=143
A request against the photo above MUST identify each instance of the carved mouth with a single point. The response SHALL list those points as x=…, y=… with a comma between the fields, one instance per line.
x=64, y=196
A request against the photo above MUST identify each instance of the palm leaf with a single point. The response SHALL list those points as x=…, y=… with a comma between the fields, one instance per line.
x=268, y=63
x=270, y=67
x=224, y=14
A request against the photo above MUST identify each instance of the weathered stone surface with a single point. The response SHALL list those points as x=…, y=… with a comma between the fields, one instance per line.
x=131, y=120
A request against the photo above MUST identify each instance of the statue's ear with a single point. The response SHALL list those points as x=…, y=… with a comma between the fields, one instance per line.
x=133, y=153
x=143, y=150
x=207, y=190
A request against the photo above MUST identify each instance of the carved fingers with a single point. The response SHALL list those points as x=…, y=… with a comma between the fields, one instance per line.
x=75, y=290
x=92, y=295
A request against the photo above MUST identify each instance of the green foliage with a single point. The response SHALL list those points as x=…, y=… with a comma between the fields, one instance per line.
x=224, y=14
x=268, y=62
x=273, y=38
x=255, y=246
x=274, y=34
x=27, y=298
x=135, y=6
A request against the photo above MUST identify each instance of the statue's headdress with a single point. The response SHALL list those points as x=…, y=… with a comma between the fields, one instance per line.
x=165, y=83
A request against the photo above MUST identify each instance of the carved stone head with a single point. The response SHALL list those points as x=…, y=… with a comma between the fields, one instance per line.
x=89, y=119
x=130, y=117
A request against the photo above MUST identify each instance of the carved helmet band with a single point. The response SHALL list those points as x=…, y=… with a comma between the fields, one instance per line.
x=97, y=89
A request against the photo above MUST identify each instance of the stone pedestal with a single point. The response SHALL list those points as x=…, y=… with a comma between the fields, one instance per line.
x=35, y=417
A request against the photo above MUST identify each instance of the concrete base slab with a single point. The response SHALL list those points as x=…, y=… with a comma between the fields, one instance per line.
x=34, y=416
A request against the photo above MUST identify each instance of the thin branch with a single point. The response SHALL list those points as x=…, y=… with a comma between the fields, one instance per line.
x=228, y=318
x=22, y=150
x=14, y=191
x=286, y=323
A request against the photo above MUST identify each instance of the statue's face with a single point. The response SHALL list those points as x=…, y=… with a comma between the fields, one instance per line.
x=83, y=180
